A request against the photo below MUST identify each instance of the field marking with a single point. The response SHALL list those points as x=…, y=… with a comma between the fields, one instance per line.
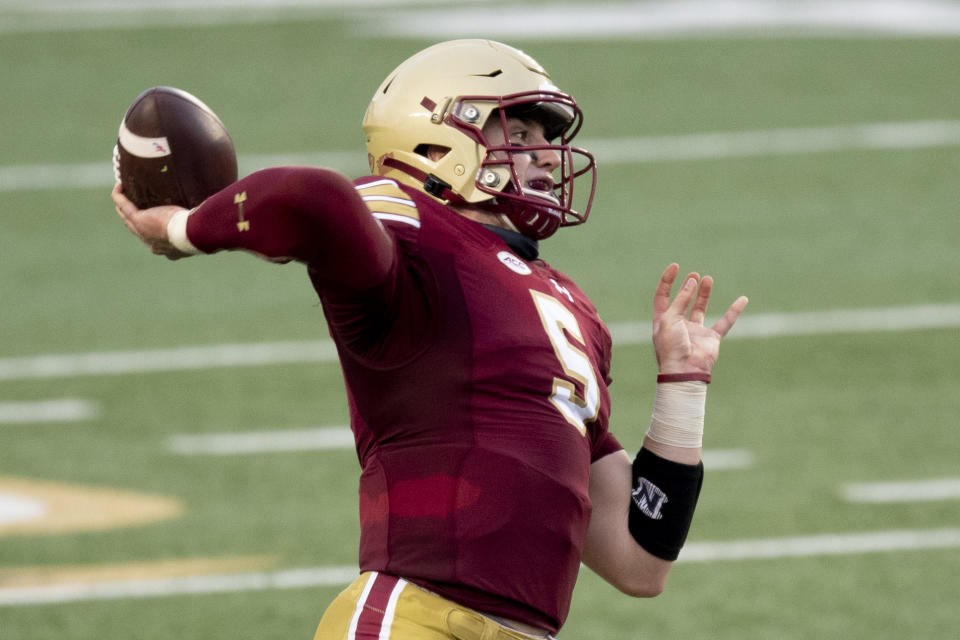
x=15, y=508
x=635, y=20
x=830, y=544
x=186, y=585
x=341, y=438
x=905, y=491
x=727, y=459
x=768, y=325
x=678, y=18
x=62, y=410
x=806, y=323
x=97, y=175
x=51, y=575
x=28, y=16
x=31, y=507
x=720, y=145
x=165, y=360
x=289, y=440
x=124, y=6
x=735, y=550
x=923, y=134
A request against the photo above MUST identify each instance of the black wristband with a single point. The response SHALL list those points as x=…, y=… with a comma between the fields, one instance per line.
x=664, y=497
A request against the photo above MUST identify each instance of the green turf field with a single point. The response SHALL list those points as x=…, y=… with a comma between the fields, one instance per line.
x=859, y=226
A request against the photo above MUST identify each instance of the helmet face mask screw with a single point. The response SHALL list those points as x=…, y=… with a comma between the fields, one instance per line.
x=489, y=178
x=470, y=113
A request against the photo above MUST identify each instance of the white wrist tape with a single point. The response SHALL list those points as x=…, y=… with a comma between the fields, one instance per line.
x=678, y=411
x=177, y=232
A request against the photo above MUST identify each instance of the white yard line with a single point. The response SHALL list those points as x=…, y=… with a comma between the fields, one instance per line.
x=630, y=333
x=735, y=550
x=776, y=142
x=771, y=325
x=162, y=360
x=609, y=151
x=16, y=508
x=61, y=410
x=123, y=6
x=559, y=20
x=726, y=459
x=191, y=585
x=662, y=19
x=106, y=7
x=764, y=325
x=96, y=175
x=310, y=439
x=332, y=438
x=820, y=545
x=30, y=16
x=905, y=491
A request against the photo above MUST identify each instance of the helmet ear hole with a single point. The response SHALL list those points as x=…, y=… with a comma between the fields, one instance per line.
x=432, y=152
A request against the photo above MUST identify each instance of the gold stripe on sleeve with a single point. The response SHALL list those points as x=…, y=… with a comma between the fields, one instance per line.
x=385, y=197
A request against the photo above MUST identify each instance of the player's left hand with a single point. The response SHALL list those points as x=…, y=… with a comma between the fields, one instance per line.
x=681, y=341
x=150, y=225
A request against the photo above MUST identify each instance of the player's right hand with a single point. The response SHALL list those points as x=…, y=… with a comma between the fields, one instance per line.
x=150, y=225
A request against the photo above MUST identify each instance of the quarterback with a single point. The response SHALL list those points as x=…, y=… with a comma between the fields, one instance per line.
x=476, y=374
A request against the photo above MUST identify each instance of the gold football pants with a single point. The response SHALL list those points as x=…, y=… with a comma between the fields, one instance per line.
x=383, y=607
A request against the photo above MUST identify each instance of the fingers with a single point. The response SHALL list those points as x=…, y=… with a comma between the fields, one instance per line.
x=685, y=295
x=680, y=304
x=125, y=209
x=699, y=310
x=119, y=199
x=699, y=296
x=725, y=323
x=661, y=297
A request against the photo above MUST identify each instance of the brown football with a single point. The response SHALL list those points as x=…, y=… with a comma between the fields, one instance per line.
x=172, y=149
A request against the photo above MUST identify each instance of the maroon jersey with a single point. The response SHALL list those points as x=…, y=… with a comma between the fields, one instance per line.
x=477, y=384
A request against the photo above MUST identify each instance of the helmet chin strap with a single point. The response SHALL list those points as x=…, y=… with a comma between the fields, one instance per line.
x=431, y=183
x=507, y=223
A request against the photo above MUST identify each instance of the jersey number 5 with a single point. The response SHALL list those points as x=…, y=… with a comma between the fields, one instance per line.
x=556, y=318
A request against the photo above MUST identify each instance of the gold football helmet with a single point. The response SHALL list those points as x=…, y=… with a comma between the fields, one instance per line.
x=443, y=96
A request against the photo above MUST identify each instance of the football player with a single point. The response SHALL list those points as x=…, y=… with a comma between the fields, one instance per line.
x=476, y=373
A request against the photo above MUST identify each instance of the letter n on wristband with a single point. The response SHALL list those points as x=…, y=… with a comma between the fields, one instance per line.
x=664, y=498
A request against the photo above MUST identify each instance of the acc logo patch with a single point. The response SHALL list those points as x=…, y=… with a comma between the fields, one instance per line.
x=514, y=263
